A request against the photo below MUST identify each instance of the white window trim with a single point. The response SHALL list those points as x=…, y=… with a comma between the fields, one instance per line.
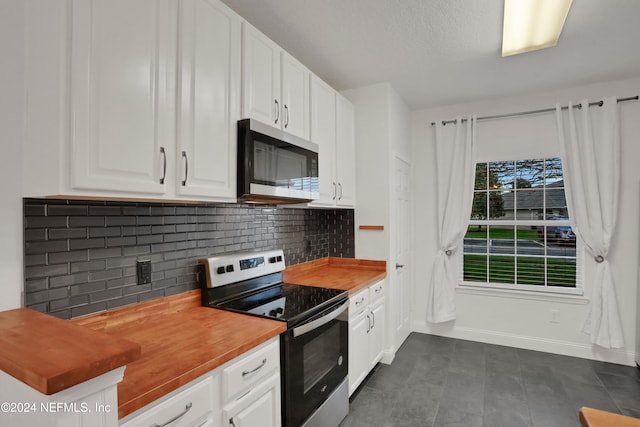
x=532, y=291
x=536, y=290
x=469, y=288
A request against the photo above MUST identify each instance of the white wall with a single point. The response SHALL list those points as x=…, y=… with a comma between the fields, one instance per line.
x=382, y=133
x=526, y=322
x=372, y=169
x=11, y=126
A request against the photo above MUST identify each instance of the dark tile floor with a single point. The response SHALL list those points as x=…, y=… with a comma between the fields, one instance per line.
x=443, y=382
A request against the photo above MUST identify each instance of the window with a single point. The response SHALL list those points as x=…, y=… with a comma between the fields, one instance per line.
x=519, y=236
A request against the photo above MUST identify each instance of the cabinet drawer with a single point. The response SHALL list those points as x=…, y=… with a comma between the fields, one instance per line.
x=239, y=377
x=187, y=408
x=358, y=302
x=376, y=291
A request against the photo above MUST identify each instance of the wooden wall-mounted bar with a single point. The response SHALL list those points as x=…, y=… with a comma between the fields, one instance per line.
x=371, y=227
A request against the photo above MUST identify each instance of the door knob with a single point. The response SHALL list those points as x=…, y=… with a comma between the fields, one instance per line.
x=399, y=266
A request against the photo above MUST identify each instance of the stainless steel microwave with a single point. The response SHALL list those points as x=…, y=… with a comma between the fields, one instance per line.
x=275, y=167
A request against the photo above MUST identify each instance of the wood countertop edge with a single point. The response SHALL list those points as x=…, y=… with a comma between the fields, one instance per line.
x=590, y=417
x=132, y=405
x=334, y=262
x=50, y=378
x=366, y=283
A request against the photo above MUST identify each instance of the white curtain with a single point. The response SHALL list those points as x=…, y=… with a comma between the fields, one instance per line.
x=455, y=171
x=590, y=143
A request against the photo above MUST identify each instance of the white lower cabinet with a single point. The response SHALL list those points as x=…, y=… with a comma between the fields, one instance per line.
x=251, y=389
x=192, y=407
x=366, y=332
x=244, y=392
x=259, y=407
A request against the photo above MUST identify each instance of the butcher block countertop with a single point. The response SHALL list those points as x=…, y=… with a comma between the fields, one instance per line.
x=164, y=343
x=180, y=340
x=590, y=417
x=347, y=274
x=51, y=354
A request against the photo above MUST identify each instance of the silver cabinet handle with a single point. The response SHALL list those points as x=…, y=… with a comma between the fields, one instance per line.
x=399, y=266
x=180, y=415
x=335, y=191
x=340, y=185
x=377, y=290
x=360, y=302
x=368, y=323
x=231, y=423
x=373, y=317
x=277, y=110
x=186, y=168
x=164, y=165
x=254, y=370
x=286, y=116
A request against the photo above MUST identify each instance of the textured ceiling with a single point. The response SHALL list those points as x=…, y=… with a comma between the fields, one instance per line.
x=440, y=52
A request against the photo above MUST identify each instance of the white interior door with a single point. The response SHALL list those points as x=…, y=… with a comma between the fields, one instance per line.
x=402, y=268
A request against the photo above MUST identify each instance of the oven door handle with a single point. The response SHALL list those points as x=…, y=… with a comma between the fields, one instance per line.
x=315, y=324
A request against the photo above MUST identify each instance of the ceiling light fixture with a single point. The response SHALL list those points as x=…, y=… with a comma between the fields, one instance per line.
x=532, y=24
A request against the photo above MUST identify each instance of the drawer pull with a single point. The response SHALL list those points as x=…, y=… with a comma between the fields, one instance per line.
x=187, y=408
x=254, y=370
x=378, y=290
x=360, y=302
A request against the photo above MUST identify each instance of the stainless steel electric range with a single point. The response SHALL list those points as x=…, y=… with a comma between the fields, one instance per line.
x=313, y=350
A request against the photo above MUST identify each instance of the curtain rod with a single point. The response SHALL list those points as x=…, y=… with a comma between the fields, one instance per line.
x=545, y=110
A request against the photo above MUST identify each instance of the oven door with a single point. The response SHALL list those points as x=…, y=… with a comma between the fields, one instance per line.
x=314, y=357
x=274, y=164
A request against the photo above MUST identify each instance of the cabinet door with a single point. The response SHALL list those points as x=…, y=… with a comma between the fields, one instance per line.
x=323, y=133
x=295, y=96
x=376, y=335
x=120, y=97
x=260, y=77
x=209, y=86
x=259, y=408
x=192, y=407
x=358, y=350
x=345, y=152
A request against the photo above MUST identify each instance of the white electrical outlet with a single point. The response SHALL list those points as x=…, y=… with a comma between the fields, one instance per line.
x=555, y=316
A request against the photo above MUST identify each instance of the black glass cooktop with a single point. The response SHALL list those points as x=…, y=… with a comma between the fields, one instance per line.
x=286, y=302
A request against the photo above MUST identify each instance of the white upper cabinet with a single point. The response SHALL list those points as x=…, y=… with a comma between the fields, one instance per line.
x=260, y=77
x=332, y=128
x=295, y=96
x=275, y=85
x=209, y=93
x=143, y=102
x=345, y=152
x=120, y=65
x=323, y=133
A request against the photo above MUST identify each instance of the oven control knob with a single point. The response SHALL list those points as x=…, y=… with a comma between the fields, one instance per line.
x=340, y=360
x=229, y=268
x=279, y=258
x=220, y=270
x=272, y=260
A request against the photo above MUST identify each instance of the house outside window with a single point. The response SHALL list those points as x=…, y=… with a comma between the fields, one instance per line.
x=519, y=235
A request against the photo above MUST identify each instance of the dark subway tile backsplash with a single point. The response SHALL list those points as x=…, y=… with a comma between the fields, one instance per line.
x=80, y=256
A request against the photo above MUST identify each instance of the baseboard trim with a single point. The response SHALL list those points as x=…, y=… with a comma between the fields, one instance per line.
x=388, y=355
x=585, y=351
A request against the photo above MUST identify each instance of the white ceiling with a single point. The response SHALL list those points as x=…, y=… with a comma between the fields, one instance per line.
x=440, y=52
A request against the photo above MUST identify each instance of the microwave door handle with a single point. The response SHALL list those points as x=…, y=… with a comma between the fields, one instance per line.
x=308, y=327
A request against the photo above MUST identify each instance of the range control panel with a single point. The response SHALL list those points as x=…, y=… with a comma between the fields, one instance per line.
x=235, y=267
